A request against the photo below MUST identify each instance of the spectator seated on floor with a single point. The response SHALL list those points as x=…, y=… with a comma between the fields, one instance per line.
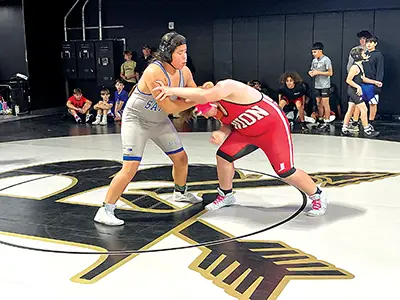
x=293, y=92
x=263, y=88
x=103, y=108
x=4, y=108
x=292, y=113
x=255, y=84
x=79, y=107
x=120, y=99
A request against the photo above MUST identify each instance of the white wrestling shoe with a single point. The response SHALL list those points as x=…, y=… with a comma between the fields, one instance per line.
x=107, y=217
x=319, y=205
x=97, y=121
x=221, y=201
x=186, y=197
x=309, y=120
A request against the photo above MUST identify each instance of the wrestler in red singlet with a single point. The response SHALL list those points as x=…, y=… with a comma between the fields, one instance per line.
x=262, y=125
x=250, y=120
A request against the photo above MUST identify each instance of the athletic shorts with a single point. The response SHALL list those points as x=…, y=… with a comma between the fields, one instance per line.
x=370, y=93
x=300, y=99
x=353, y=97
x=276, y=143
x=374, y=100
x=135, y=132
x=322, y=93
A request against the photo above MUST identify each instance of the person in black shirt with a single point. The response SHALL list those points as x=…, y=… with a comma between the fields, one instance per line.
x=144, y=60
x=292, y=92
x=374, y=69
x=355, y=80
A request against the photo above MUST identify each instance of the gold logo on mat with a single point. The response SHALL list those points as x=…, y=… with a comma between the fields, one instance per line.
x=245, y=269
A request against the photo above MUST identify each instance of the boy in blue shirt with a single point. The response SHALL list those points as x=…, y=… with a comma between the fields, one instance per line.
x=120, y=99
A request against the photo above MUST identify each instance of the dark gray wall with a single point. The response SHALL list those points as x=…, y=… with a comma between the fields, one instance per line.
x=12, y=43
x=146, y=25
x=246, y=40
x=44, y=33
x=269, y=45
x=260, y=7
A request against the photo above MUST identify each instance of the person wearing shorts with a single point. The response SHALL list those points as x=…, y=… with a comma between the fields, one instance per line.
x=355, y=80
x=145, y=118
x=250, y=121
x=321, y=71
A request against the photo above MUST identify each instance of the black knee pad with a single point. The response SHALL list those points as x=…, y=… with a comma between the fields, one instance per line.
x=225, y=156
x=287, y=173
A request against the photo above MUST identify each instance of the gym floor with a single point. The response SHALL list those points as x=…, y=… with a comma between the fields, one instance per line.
x=55, y=175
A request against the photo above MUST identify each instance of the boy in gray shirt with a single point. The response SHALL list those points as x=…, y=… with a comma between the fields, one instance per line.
x=321, y=70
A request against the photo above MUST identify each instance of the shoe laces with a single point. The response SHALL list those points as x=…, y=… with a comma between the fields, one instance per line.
x=219, y=199
x=316, y=202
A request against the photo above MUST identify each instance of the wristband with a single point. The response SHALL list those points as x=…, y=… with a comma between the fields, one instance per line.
x=201, y=109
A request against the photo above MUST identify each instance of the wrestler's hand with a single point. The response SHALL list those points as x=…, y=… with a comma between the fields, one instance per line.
x=165, y=91
x=359, y=91
x=378, y=83
x=217, y=137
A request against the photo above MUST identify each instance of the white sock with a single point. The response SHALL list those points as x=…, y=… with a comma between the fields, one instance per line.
x=109, y=207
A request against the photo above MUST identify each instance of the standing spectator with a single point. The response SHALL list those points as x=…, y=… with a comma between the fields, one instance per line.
x=363, y=35
x=120, y=99
x=321, y=71
x=128, y=71
x=144, y=60
x=79, y=107
x=374, y=69
x=355, y=80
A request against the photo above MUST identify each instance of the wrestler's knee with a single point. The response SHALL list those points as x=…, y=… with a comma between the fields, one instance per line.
x=130, y=167
x=180, y=159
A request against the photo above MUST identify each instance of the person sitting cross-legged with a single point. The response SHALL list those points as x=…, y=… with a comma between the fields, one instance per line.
x=103, y=108
x=78, y=106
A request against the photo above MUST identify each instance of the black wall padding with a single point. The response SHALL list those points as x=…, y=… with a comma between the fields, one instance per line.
x=387, y=24
x=245, y=50
x=299, y=39
x=271, y=47
x=328, y=30
x=222, y=45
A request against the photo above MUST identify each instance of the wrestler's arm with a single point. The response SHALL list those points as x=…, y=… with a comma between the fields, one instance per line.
x=221, y=90
x=151, y=76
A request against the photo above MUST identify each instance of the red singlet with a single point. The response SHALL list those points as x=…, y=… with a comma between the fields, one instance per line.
x=258, y=125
